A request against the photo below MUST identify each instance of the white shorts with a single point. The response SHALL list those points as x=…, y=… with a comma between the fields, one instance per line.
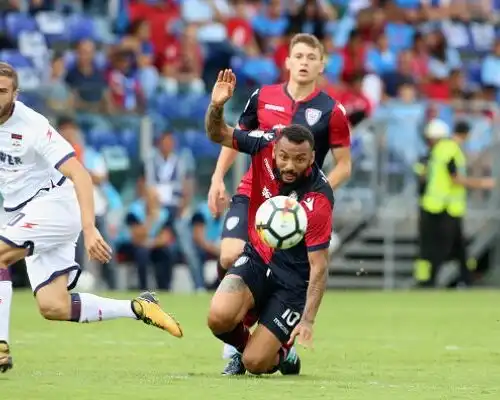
x=48, y=226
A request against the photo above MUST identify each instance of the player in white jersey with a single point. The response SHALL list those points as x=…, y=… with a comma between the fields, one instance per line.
x=48, y=196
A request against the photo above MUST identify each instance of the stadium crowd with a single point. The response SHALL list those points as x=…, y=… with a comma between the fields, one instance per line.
x=98, y=68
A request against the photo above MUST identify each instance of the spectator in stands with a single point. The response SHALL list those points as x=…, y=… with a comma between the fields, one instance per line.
x=491, y=66
x=124, y=86
x=404, y=74
x=206, y=233
x=270, y=23
x=172, y=175
x=356, y=104
x=239, y=29
x=182, y=65
x=56, y=92
x=148, y=238
x=209, y=15
x=380, y=58
x=138, y=41
x=354, y=56
x=88, y=81
x=96, y=166
x=308, y=18
x=258, y=68
x=420, y=58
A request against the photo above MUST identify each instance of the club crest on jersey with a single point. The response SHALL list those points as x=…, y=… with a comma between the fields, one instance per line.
x=16, y=139
x=293, y=195
x=312, y=116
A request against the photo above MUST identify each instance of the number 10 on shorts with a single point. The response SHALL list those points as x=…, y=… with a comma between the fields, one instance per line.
x=290, y=317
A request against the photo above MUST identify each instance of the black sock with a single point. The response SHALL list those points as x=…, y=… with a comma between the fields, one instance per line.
x=221, y=271
x=238, y=337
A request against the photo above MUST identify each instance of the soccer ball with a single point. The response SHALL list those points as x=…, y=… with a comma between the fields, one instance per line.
x=281, y=222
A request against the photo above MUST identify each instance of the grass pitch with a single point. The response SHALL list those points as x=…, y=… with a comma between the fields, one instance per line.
x=368, y=346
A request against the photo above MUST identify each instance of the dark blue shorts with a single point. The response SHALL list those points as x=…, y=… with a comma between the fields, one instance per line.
x=279, y=306
x=236, y=221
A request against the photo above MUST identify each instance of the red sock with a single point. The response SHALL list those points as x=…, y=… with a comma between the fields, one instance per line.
x=251, y=318
x=238, y=337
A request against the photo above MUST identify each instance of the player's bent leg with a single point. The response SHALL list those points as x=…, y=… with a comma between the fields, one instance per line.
x=261, y=354
x=229, y=305
x=10, y=253
x=57, y=304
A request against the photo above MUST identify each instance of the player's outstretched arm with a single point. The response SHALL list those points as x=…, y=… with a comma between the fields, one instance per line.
x=217, y=129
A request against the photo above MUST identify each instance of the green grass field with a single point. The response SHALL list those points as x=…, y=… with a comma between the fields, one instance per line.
x=368, y=346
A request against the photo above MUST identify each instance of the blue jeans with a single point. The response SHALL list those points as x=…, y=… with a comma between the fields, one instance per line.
x=184, y=234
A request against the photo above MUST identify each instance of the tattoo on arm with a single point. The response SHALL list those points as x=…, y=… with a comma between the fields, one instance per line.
x=315, y=290
x=215, y=124
x=232, y=284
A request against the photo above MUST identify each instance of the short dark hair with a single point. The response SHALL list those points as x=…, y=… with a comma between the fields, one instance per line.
x=9, y=71
x=65, y=120
x=462, y=128
x=297, y=134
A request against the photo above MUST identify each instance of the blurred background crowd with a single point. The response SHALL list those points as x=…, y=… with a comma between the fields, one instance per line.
x=127, y=83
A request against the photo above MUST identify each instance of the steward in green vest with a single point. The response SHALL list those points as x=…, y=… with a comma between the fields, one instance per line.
x=444, y=204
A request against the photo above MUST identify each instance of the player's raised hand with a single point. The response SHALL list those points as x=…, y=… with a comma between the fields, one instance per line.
x=304, y=334
x=218, y=198
x=97, y=248
x=224, y=87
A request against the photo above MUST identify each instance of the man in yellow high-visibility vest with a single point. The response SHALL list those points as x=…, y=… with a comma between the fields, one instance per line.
x=444, y=204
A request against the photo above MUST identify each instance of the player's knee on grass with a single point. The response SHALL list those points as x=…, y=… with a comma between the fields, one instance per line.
x=231, y=249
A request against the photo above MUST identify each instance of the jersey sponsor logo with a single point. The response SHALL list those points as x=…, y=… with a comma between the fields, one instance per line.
x=313, y=115
x=309, y=203
x=16, y=140
x=278, y=127
x=266, y=192
x=240, y=261
x=232, y=222
x=269, y=136
x=269, y=169
x=273, y=107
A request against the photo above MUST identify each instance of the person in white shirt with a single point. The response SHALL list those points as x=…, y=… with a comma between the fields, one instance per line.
x=47, y=211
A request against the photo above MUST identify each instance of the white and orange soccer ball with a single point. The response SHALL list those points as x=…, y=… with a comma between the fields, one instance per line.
x=281, y=222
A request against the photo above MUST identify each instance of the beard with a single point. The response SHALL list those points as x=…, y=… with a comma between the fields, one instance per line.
x=6, y=110
x=288, y=187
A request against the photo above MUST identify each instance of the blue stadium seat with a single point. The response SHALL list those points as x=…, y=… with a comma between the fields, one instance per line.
x=80, y=27
x=99, y=139
x=16, y=59
x=129, y=139
x=334, y=66
x=53, y=26
x=18, y=22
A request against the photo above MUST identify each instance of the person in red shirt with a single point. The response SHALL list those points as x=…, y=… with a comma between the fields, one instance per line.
x=298, y=101
x=286, y=286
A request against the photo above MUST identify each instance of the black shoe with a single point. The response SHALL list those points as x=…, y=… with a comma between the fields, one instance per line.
x=234, y=366
x=291, y=364
x=5, y=357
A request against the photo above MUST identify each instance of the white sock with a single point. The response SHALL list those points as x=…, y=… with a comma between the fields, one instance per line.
x=5, y=302
x=86, y=307
x=228, y=351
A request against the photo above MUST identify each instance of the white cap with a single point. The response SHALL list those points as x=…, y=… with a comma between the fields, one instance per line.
x=437, y=129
